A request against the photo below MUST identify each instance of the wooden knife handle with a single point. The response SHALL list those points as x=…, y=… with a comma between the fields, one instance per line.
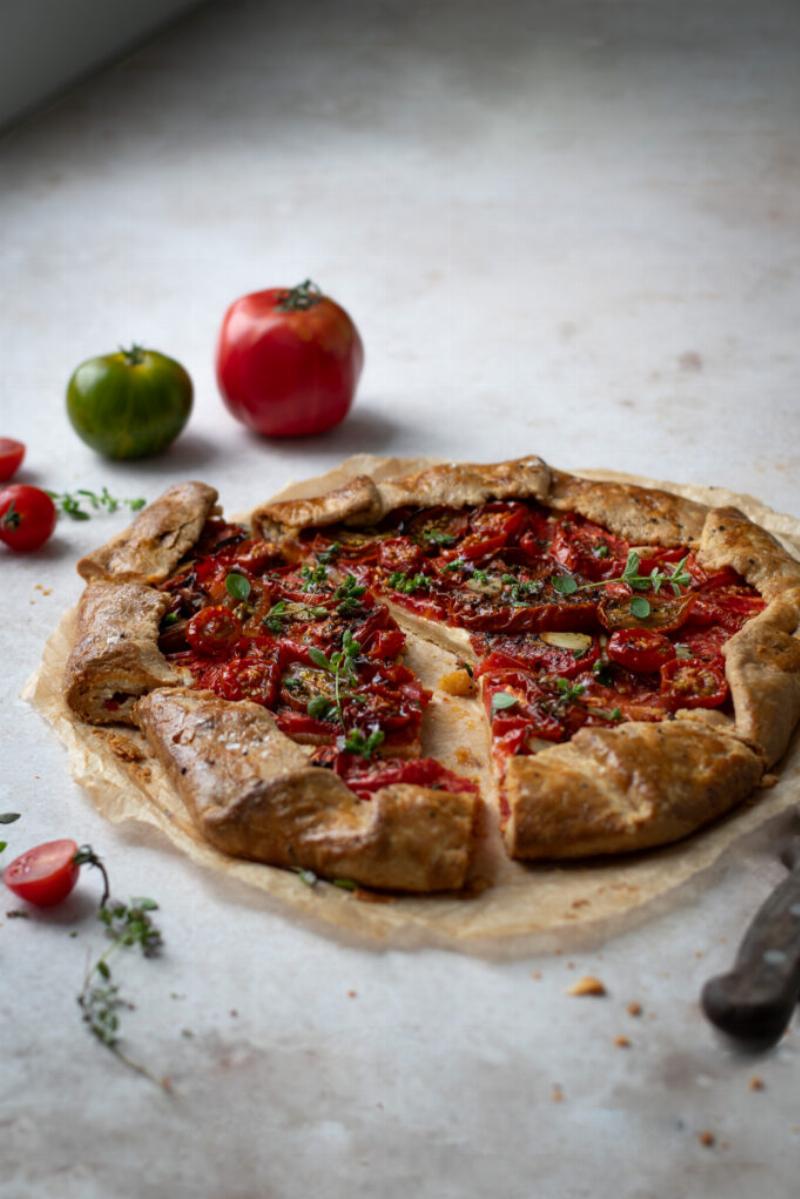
x=756, y=1000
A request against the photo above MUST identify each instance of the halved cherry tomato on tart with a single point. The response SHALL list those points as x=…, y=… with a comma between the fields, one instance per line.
x=565, y=654
x=692, y=683
x=664, y=613
x=491, y=527
x=642, y=650
x=250, y=678
x=365, y=778
x=214, y=631
x=730, y=607
x=587, y=549
x=45, y=874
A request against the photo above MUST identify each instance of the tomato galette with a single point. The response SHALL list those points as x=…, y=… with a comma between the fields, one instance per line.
x=635, y=655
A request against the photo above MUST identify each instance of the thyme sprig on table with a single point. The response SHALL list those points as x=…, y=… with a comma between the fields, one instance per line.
x=126, y=925
x=69, y=503
x=679, y=578
x=100, y=999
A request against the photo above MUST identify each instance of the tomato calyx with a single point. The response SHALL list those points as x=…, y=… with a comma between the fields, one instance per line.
x=300, y=298
x=10, y=519
x=134, y=356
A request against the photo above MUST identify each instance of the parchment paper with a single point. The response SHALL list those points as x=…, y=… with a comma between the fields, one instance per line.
x=527, y=907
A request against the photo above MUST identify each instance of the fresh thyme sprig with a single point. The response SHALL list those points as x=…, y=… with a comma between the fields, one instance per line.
x=640, y=607
x=70, y=502
x=408, y=584
x=349, y=595
x=342, y=665
x=126, y=926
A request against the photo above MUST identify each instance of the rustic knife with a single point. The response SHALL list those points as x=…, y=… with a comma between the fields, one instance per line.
x=755, y=1001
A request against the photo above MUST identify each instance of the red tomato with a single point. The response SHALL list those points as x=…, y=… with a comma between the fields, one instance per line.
x=213, y=631
x=528, y=652
x=690, y=683
x=27, y=517
x=730, y=607
x=588, y=550
x=11, y=455
x=288, y=361
x=641, y=650
x=666, y=612
x=491, y=527
x=44, y=875
x=255, y=679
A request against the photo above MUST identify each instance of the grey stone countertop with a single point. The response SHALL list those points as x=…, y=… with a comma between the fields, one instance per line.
x=569, y=229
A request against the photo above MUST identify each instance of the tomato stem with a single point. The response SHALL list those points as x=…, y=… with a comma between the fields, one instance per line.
x=300, y=298
x=134, y=356
x=87, y=857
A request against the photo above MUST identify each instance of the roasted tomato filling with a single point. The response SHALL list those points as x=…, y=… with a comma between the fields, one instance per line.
x=571, y=626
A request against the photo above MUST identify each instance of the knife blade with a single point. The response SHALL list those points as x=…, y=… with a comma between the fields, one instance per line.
x=754, y=1002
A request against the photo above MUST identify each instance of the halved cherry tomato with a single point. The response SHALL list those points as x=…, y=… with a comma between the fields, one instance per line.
x=11, y=454
x=491, y=527
x=397, y=553
x=730, y=607
x=690, y=683
x=438, y=528
x=45, y=874
x=214, y=631
x=255, y=679
x=642, y=650
x=527, y=651
x=387, y=644
x=587, y=549
x=255, y=556
x=666, y=613
x=705, y=644
x=27, y=517
x=365, y=778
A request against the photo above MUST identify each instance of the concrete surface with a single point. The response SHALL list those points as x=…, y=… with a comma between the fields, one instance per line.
x=569, y=228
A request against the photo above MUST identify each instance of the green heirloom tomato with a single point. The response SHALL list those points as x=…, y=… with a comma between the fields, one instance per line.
x=129, y=405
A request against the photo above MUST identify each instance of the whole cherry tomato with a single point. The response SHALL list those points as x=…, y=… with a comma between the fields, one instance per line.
x=11, y=454
x=27, y=517
x=44, y=875
x=288, y=361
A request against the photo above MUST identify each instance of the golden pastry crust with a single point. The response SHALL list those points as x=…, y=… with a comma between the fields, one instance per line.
x=642, y=515
x=363, y=502
x=357, y=502
x=730, y=539
x=253, y=794
x=115, y=657
x=154, y=543
x=616, y=790
x=762, y=665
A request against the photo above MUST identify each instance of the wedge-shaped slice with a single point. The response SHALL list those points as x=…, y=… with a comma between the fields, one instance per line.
x=253, y=794
x=115, y=657
x=153, y=544
x=632, y=787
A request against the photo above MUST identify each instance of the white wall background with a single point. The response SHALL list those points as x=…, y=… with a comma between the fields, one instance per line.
x=47, y=44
